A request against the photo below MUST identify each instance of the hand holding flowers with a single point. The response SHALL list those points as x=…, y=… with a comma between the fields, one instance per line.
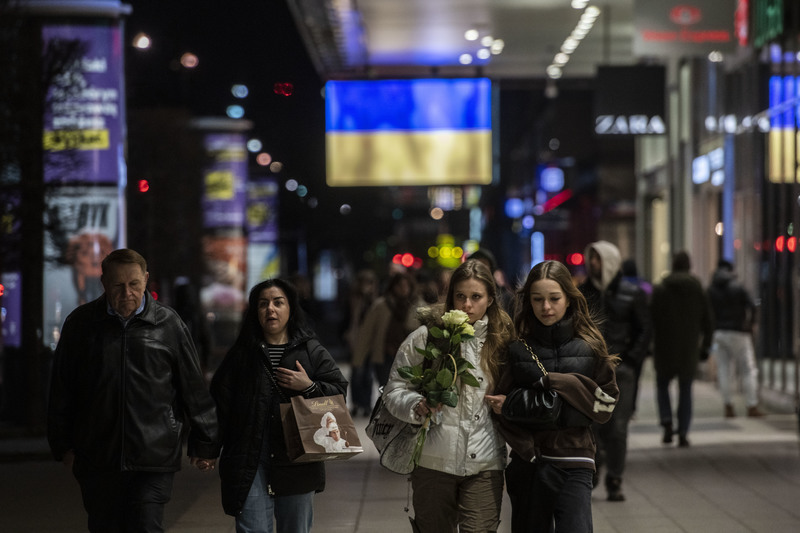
x=436, y=377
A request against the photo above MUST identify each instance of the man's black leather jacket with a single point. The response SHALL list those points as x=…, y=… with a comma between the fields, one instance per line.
x=121, y=393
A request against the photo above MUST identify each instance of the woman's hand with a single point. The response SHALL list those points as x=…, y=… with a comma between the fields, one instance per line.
x=422, y=409
x=495, y=402
x=293, y=380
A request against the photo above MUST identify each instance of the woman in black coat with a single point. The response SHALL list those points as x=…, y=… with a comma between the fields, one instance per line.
x=274, y=358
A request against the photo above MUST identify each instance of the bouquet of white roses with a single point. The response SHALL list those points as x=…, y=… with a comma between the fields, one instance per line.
x=436, y=380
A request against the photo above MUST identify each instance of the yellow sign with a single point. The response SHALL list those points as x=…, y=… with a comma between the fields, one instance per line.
x=219, y=185
x=76, y=140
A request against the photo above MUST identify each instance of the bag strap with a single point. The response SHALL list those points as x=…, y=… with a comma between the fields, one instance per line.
x=535, y=358
x=271, y=377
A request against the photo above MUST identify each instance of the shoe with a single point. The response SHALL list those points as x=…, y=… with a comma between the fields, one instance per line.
x=755, y=411
x=683, y=442
x=729, y=412
x=667, y=438
x=614, y=488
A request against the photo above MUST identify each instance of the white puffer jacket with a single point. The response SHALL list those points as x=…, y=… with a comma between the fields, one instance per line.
x=462, y=440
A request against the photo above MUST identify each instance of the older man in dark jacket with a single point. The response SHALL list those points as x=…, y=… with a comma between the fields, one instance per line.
x=621, y=309
x=682, y=325
x=125, y=378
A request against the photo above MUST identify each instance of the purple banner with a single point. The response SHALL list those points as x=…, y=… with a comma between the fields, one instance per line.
x=11, y=308
x=225, y=195
x=262, y=210
x=84, y=109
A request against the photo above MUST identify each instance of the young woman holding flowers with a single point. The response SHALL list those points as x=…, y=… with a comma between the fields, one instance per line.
x=458, y=480
x=549, y=478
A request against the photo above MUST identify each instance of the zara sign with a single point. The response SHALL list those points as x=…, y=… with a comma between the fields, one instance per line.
x=629, y=100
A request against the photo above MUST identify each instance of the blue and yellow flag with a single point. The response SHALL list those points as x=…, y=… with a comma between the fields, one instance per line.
x=409, y=132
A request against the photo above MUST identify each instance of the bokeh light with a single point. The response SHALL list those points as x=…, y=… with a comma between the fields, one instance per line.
x=235, y=111
x=275, y=167
x=263, y=159
x=254, y=145
x=189, y=60
x=142, y=41
x=240, y=91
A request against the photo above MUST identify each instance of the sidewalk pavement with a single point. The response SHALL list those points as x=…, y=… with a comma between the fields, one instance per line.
x=738, y=475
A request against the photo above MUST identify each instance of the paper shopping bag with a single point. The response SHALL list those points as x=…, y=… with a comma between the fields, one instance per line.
x=319, y=429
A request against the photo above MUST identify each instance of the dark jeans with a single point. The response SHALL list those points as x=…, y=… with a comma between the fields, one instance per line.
x=125, y=502
x=684, y=402
x=548, y=499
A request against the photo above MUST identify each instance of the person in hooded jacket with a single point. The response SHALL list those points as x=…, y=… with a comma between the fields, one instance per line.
x=549, y=478
x=620, y=309
x=682, y=325
x=274, y=358
x=732, y=344
x=458, y=483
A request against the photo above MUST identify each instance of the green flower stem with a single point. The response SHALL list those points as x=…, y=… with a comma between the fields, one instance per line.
x=423, y=433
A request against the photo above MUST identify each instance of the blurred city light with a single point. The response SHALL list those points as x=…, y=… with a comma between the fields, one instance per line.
x=263, y=159
x=345, y=209
x=302, y=191
x=240, y=91
x=471, y=35
x=235, y=111
x=465, y=59
x=575, y=259
x=144, y=186
x=437, y=213
x=254, y=145
x=275, y=167
x=189, y=60
x=283, y=88
x=142, y=41
x=515, y=208
x=291, y=185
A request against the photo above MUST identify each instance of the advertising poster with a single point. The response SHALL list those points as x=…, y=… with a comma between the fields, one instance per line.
x=81, y=228
x=11, y=308
x=225, y=194
x=262, y=210
x=84, y=109
x=224, y=290
x=263, y=262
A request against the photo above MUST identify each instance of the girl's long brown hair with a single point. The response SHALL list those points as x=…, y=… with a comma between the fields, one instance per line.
x=500, y=328
x=578, y=310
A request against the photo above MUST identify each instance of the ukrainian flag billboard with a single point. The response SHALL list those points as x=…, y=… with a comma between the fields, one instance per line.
x=409, y=132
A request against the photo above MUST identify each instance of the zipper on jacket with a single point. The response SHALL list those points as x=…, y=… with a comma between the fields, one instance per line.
x=269, y=489
x=122, y=388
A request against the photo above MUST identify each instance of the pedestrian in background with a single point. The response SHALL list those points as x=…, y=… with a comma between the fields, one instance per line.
x=549, y=479
x=620, y=310
x=362, y=295
x=276, y=356
x=682, y=327
x=388, y=322
x=458, y=485
x=732, y=347
x=125, y=380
